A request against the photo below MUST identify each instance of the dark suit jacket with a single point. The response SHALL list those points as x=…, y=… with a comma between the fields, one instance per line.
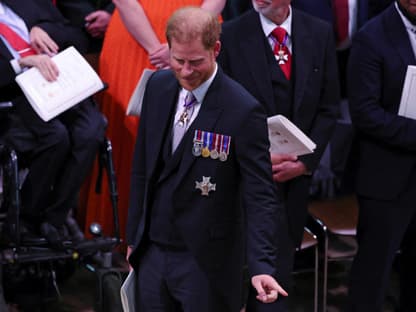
x=316, y=91
x=211, y=226
x=323, y=9
x=379, y=58
x=35, y=13
x=375, y=7
x=76, y=10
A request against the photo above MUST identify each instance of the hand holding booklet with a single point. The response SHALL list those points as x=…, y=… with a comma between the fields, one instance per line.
x=286, y=138
x=76, y=81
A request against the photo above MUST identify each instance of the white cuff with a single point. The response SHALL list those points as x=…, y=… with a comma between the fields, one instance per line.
x=16, y=66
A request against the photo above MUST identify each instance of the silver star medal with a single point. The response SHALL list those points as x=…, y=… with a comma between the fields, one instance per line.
x=281, y=57
x=205, y=186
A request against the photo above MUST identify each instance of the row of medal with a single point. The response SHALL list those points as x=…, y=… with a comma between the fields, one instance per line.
x=214, y=145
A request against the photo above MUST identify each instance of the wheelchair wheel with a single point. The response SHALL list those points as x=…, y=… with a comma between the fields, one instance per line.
x=110, y=293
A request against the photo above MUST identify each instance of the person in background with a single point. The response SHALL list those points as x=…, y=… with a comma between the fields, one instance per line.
x=346, y=17
x=92, y=16
x=335, y=173
x=234, y=8
x=201, y=152
x=286, y=60
x=386, y=179
x=134, y=41
x=60, y=152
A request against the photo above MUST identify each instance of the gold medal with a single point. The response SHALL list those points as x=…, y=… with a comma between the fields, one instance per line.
x=205, y=152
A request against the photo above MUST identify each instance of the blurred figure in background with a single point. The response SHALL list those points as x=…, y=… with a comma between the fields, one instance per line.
x=386, y=179
x=286, y=60
x=92, y=16
x=60, y=152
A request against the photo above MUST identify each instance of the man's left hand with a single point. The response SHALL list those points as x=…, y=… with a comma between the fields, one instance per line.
x=96, y=23
x=267, y=288
x=288, y=170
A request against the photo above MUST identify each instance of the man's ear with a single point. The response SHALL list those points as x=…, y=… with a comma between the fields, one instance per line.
x=217, y=48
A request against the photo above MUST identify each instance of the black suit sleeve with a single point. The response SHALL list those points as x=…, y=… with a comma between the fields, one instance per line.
x=258, y=193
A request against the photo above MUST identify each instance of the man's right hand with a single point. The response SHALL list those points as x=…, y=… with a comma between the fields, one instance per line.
x=44, y=63
x=267, y=288
x=129, y=251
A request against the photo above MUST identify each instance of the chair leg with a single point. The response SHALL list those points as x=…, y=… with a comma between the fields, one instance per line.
x=316, y=280
x=11, y=179
x=325, y=273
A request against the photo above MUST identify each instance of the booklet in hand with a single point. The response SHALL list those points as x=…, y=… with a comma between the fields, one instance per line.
x=136, y=100
x=408, y=101
x=128, y=293
x=76, y=81
x=286, y=138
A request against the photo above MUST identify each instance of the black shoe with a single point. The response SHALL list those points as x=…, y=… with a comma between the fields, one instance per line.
x=52, y=235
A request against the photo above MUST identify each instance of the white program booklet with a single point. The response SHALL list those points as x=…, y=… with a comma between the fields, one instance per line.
x=408, y=101
x=76, y=81
x=128, y=293
x=136, y=100
x=286, y=138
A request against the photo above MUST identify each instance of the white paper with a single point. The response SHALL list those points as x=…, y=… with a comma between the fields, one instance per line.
x=408, y=101
x=128, y=293
x=136, y=100
x=286, y=138
x=76, y=81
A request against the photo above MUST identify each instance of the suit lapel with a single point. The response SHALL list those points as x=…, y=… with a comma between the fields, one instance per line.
x=165, y=105
x=251, y=45
x=398, y=35
x=302, y=45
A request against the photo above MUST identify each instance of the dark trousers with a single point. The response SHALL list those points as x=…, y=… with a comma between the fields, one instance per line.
x=284, y=268
x=384, y=227
x=170, y=280
x=58, y=154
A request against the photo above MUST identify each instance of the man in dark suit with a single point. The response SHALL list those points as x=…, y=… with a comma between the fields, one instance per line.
x=309, y=98
x=386, y=178
x=185, y=222
x=60, y=152
x=92, y=16
x=356, y=15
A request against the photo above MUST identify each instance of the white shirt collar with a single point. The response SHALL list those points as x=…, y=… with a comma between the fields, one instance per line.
x=411, y=29
x=268, y=26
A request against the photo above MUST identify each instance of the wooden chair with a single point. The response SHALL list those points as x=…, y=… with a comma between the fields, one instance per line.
x=333, y=217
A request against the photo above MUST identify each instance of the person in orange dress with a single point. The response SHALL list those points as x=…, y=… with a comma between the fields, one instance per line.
x=135, y=40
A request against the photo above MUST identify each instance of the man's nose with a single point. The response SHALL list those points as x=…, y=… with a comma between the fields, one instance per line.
x=186, y=69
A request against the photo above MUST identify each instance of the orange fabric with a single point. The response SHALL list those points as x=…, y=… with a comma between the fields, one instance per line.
x=121, y=64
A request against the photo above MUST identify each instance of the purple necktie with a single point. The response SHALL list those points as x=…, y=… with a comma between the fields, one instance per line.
x=182, y=124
